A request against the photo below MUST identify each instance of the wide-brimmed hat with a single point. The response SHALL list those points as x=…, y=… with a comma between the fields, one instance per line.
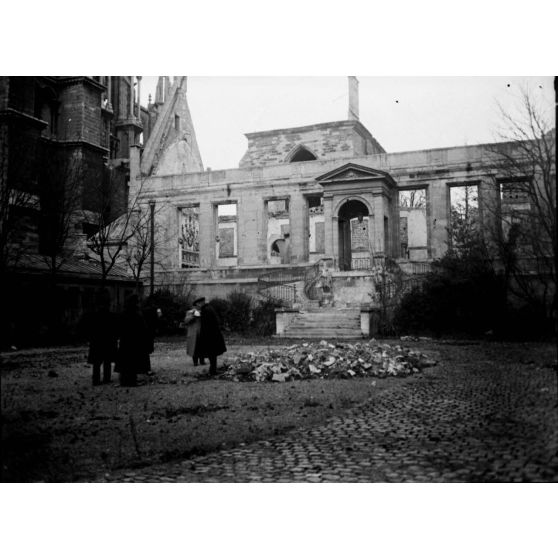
x=200, y=299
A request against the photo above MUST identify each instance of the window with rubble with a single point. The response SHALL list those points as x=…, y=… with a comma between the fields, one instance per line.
x=189, y=239
x=227, y=230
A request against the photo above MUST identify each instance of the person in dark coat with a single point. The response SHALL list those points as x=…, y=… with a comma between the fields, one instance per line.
x=192, y=320
x=210, y=343
x=102, y=335
x=135, y=344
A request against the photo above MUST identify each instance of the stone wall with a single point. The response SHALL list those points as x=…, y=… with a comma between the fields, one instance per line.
x=324, y=141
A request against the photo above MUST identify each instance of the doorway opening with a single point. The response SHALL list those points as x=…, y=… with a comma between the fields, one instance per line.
x=354, y=236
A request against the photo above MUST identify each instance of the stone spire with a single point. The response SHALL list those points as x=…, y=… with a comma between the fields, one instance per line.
x=160, y=91
x=353, y=98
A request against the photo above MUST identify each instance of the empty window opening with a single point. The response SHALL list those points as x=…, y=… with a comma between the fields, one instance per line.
x=515, y=210
x=464, y=215
x=227, y=230
x=302, y=154
x=278, y=230
x=413, y=229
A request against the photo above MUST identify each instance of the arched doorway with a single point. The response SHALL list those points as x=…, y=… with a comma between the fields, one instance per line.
x=353, y=232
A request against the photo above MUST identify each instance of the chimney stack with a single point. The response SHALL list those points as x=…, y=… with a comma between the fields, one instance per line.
x=353, y=98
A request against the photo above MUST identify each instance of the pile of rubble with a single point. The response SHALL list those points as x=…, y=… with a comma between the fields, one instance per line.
x=325, y=360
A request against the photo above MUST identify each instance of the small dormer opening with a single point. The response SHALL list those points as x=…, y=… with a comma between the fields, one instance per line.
x=302, y=154
x=177, y=122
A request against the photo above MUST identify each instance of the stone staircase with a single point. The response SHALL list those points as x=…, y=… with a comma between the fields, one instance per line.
x=330, y=323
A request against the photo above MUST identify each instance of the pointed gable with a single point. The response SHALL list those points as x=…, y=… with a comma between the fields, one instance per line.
x=172, y=147
x=352, y=172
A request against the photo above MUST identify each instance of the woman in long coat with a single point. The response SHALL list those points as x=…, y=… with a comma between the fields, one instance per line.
x=211, y=343
x=135, y=344
x=193, y=326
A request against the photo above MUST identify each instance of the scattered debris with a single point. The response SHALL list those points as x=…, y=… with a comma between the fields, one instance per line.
x=325, y=360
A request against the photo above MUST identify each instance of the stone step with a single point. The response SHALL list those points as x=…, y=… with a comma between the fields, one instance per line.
x=328, y=323
x=315, y=323
x=319, y=317
x=322, y=335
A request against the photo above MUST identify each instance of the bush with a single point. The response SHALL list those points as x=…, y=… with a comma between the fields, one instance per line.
x=263, y=316
x=173, y=308
x=238, y=315
x=221, y=307
x=462, y=295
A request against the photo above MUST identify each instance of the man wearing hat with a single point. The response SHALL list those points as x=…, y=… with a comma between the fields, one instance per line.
x=210, y=342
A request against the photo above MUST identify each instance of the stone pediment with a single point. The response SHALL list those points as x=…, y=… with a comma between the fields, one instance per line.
x=352, y=172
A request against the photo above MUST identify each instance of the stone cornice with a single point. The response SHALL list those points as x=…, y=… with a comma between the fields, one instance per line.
x=311, y=127
x=82, y=79
x=11, y=113
x=76, y=143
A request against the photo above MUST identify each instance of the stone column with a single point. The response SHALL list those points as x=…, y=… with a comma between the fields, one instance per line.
x=207, y=234
x=438, y=198
x=109, y=90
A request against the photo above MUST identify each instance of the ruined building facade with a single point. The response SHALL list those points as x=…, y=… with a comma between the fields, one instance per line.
x=319, y=196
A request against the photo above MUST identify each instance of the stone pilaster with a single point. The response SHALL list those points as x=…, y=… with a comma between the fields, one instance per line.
x=297, y=216
x=330, y=230
x=261, y=216
x=379, y=241
x=207, y=234
x=488, y=207
x=438, y=194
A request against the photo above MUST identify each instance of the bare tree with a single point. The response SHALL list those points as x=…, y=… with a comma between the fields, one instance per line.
x=140, y=246
x=523, y=228
x=117, y=220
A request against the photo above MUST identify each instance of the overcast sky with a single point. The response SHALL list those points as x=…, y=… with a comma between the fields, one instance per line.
x=408, y=113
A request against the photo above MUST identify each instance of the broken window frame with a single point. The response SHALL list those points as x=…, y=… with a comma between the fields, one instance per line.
x=224, y=219
x=284, y=235
x=419, y=203
x=189, y=258
x=471, y=224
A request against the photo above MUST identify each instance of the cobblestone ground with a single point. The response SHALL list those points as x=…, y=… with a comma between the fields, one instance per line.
x=470, y=426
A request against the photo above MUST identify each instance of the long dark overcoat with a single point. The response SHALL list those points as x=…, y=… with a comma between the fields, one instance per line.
x=101, y=328
x=193, y=325
x=135, y=344
x=211, y=342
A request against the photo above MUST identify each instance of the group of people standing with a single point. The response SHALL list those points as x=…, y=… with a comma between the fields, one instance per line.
x=128, y=339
